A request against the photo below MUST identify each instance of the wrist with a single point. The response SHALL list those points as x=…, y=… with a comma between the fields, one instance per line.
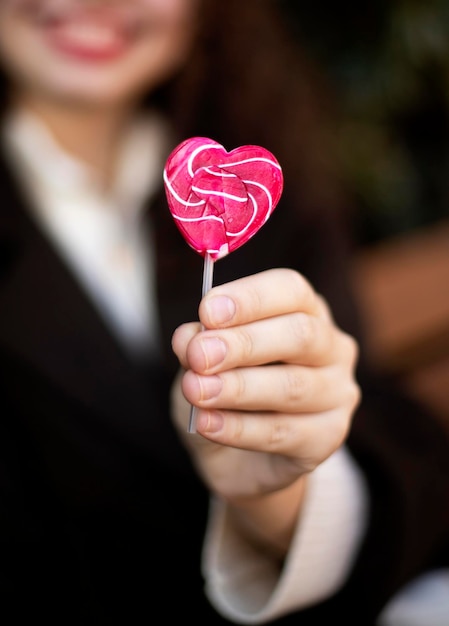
x=269, y=520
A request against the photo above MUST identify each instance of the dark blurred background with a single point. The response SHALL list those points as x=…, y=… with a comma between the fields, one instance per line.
x=388, y=64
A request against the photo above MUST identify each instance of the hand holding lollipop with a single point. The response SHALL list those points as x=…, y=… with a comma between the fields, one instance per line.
x=270, y=372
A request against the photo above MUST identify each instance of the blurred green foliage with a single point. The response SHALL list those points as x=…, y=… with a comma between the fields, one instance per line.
x=389, y=64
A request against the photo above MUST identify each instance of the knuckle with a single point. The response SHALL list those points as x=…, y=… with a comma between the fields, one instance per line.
x=354, y=349
x=244, y=344
x=350, y=348
x=298, y=280
x=237, y=388
x=355, y=395
x=294, y=387
x=308, y=295
x=277, y=435
x=237, y=429
x=294, y=282
x=340, y=428
x=323, y=306
x=303, y=330
x=351, y=392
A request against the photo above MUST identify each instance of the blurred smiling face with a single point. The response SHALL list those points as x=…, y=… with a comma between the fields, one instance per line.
x=94, y=52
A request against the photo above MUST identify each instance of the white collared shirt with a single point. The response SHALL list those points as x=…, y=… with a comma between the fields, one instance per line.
x=98, y=234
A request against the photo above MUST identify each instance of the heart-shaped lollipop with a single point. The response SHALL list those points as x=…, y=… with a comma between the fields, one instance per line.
x=220, y=199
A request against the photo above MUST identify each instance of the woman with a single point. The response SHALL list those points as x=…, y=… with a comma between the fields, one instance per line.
x=108, y=503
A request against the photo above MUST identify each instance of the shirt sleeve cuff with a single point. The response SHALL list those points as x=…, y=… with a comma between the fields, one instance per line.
x=247, y=586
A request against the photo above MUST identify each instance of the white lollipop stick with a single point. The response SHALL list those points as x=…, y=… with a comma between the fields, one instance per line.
x=208, y=272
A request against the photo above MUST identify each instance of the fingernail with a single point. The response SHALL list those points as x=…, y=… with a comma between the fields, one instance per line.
x=214, y=351
x=210, y=422
x=220, y=309
x=210, y=386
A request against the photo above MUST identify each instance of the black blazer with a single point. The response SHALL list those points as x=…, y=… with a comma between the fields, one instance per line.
x=101, y=513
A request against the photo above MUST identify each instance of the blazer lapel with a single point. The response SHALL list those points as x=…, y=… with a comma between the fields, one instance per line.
x=47, y=321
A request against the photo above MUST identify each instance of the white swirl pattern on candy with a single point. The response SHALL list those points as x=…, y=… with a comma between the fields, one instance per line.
x=220, y=199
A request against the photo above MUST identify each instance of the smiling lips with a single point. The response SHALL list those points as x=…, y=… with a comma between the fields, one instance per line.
x=86, y=33
x=89, y=39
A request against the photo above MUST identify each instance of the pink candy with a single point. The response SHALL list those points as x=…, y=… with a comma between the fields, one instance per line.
x=220, y=199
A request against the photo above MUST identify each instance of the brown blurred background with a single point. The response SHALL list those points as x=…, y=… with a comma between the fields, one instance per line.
x=388, y=62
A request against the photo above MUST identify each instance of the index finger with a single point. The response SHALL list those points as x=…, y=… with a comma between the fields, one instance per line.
x=260, y=296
